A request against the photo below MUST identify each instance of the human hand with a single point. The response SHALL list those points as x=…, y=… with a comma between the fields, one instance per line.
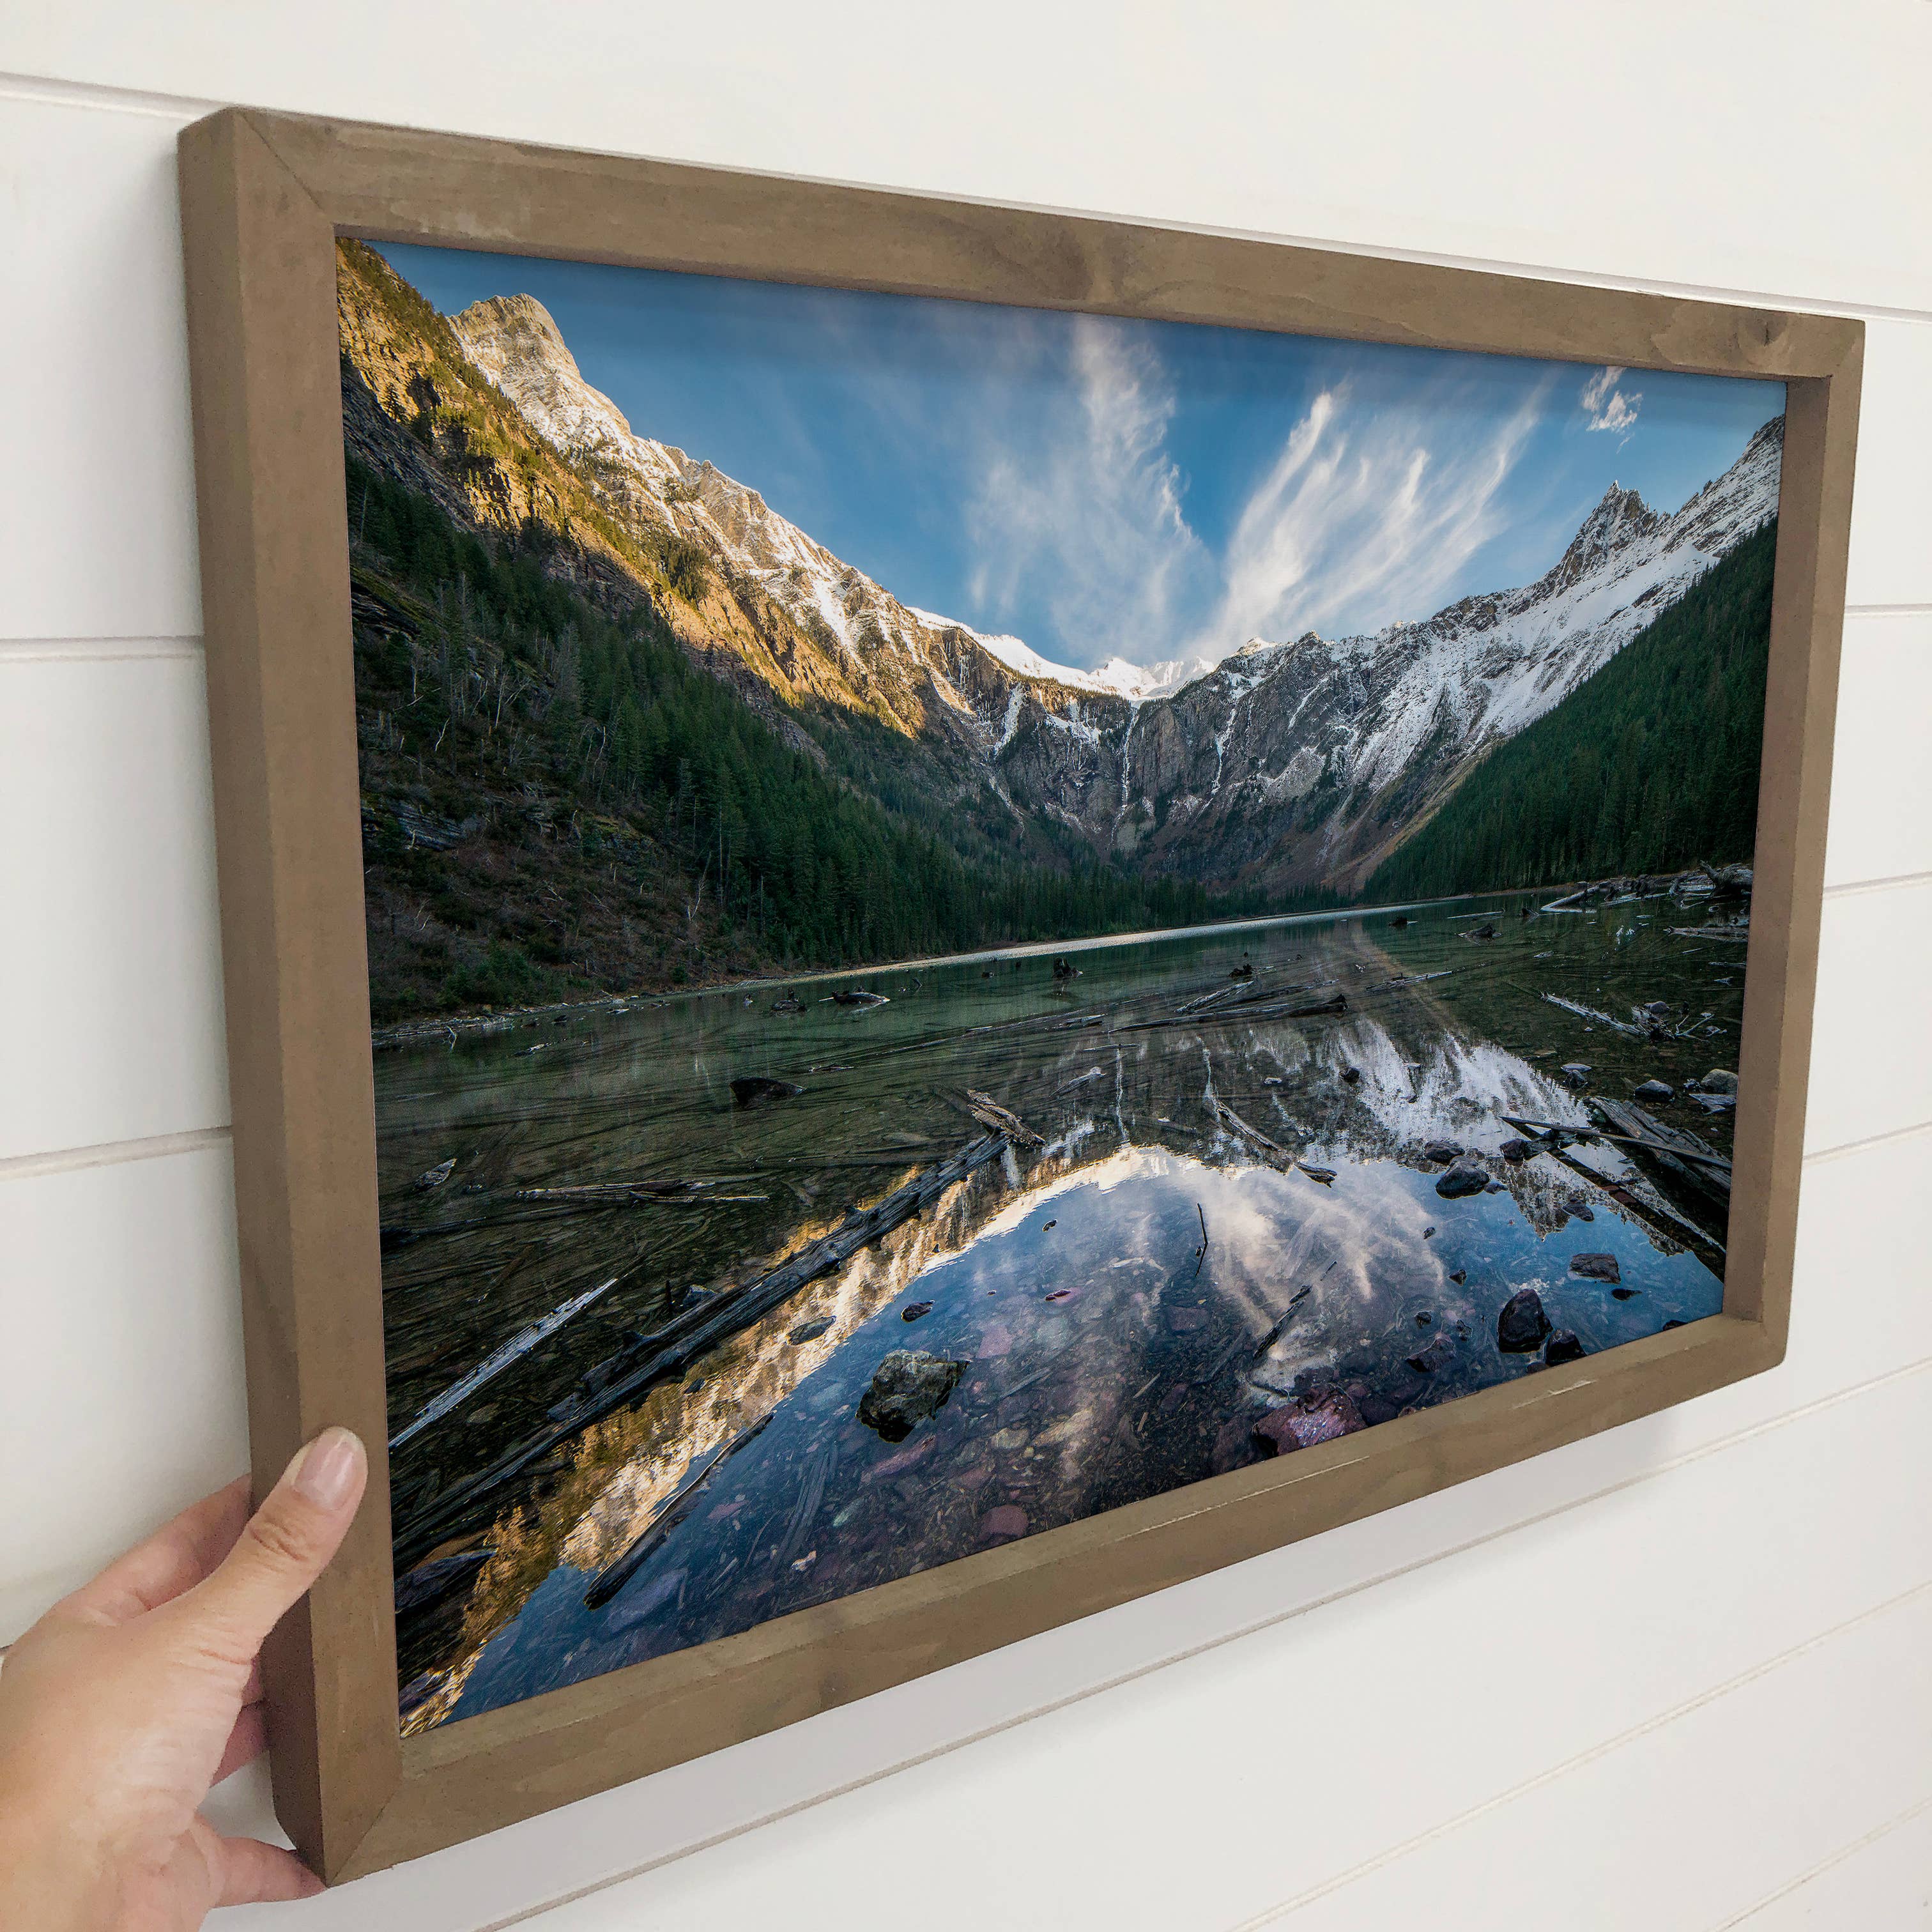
x=129, y=1698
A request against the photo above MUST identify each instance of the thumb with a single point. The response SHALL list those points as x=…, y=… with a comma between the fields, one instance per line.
x=288, y=1542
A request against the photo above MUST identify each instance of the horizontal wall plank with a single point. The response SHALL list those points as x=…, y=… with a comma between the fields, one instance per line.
x=96, y=497
x=120, y=1379
x=1890, y=560
x=1871, y=1042
x=1855, y=1226
x=1881, y=821
x=113, y=971
x=1884, y=1883
x=1677, y=1828
x=1317, y=122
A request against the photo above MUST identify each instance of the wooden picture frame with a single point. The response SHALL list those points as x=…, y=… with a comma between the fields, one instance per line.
x=264, y=198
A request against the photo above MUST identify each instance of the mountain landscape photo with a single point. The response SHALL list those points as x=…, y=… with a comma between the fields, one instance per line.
x=1209, y=872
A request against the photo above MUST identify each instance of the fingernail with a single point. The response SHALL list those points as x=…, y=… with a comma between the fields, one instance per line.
x=328, y=1470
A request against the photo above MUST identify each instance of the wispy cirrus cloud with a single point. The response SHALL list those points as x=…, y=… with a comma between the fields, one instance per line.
x=1608, y=406
x=1078, y=503
x=1364, y=511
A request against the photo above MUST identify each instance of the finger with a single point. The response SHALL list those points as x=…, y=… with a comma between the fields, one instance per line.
x=176, y=1558
x=250, y=1872
x=287, y=1545
x=246, y=1741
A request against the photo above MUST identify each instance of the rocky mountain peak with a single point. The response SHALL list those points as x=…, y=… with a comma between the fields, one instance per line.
x=1620, y=518
x=503, y=331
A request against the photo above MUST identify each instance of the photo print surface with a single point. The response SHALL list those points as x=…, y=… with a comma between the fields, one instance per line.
x=975, y=915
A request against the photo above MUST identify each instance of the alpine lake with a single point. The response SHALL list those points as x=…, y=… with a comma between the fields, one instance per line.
x=633, y=1316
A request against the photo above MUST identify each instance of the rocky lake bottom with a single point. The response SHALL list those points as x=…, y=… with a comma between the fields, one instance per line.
x=702, y=1310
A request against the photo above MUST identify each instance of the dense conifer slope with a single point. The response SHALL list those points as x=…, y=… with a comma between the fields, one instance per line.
x=1650, y=766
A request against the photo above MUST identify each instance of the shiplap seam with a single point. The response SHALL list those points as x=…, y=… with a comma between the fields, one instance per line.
x=85, y=94
x=1274, y=1914
x=1830, y=1863
x=95, y=650
x=1897, y=882
x=111, y=1154
x=1255, y=1627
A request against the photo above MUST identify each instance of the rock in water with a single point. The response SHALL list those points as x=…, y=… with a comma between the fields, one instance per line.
x=1444, y=1151
x=913, y=1310
x=1007, y=1521
x=1458, y=1276
x=1718, y=1081
x=1576, y=1074
x=809, y=1331
x=1515, y=1150
x=1596, y=1268
x=751, y=1089
x=1562, y=1347
x=1351, y=1076
x=1464, y=1178
x=1656, y=1092
x=1317, y=1417
x=436, y=1175
x=430, y=1582
x=1438, y=1354
x=908, y=1386
x=1522, y=1325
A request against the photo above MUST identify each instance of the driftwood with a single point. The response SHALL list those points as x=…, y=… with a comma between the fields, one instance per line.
x=696, y=1333
x=615, y=1574
x=625, y=1193
x=493, y=1364
x=1680, y=1147
x=1680, y=1157
x=1280, y=1156
x=989, y=1113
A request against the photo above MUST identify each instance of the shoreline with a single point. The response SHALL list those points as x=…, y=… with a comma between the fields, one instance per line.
x=490, y=1020
x=503, y=1019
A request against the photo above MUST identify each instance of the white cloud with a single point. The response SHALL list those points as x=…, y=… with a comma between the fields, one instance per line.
x=1079, y=501
x=1607, y=405
x=1359, y=514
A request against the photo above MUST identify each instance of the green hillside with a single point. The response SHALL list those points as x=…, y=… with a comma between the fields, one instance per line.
x=557, y=801
x=1650, y=766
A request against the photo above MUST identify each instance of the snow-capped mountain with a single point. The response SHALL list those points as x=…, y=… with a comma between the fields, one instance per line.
x=1286, y=764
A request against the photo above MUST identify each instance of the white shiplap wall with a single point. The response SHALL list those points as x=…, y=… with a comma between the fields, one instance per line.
x=1679, y=1676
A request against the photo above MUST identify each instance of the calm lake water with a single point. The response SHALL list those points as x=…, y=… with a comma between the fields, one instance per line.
x=1108, y=1354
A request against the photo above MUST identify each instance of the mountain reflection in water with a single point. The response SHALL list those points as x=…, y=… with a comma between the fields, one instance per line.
x=1108, y=1357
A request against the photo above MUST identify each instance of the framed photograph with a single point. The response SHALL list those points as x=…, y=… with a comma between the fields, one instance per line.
x=934, y=914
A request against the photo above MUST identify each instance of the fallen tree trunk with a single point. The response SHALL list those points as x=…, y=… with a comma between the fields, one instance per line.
x=694, y=1335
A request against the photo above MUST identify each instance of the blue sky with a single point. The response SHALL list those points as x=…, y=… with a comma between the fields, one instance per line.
x=1107, y=488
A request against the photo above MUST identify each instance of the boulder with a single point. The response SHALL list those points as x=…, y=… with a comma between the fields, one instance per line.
x=1351, y=1076
x=1444, y=1151
x=1522, y=1325
x=808, y=1331
x=753, y=1089
x=913, y=1310
x=1458, y=1276
x=1561, y=1347
x=1718, y=1081
x=1301, y=1424
x=1007, y=1521
x=1656, y=1092
x=1596, y=1268
x=1515, y=1150
x=1575, y=1074
x=1464, y=1178
x=908, y=1387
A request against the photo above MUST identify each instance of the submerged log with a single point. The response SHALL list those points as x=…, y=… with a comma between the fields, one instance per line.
x=989, y=1113
x=493, y=1365
x=694, y=1334
x=615, y=1574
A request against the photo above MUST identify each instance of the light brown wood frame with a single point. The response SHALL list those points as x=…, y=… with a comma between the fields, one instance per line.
x=264, y=197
